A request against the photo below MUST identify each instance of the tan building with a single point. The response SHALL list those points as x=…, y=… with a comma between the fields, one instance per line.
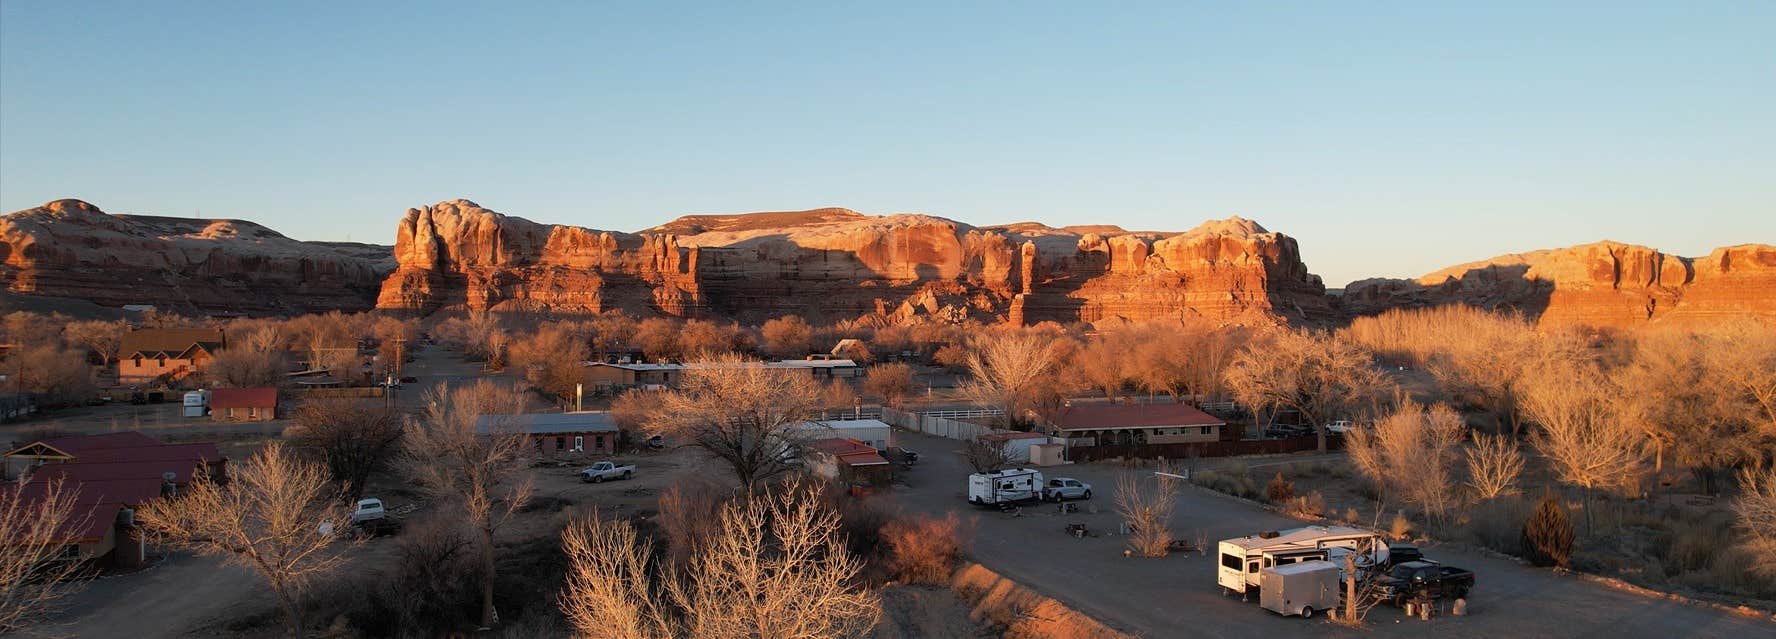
x=1135, y=424
x=145, y=355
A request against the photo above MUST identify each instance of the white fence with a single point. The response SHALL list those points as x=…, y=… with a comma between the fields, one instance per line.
x=940, y=423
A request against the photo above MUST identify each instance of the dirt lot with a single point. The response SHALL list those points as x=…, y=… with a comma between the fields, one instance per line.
x=1159, y=597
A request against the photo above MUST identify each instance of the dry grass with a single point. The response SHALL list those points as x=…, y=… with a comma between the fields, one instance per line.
x=923, y=549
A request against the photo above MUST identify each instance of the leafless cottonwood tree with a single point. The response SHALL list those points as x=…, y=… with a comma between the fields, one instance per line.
x=892, y=382
x=1316, y=374
x=777, y=569
x=1483, y=363
x=33, y=576
x=1755, y=510
x=741, y=413
x=482, y=473
x=1582, y=433
x=1106, y=362
x=353, y=438
x=101, y=337
x=268, y=518
x=1494, y=463
x=1146, y=507
x=552, y=359
x=986, y=455
x=787, y=336
x=1411, y=453
x=255, y=358
x=1012, y=371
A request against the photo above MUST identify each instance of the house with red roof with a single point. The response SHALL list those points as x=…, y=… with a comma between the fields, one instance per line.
x=112, y=475
x=244, y=404
x=1134, y=424
x=848, y=460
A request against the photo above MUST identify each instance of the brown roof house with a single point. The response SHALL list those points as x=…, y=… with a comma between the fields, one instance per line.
x=244, y=404
x=115, y=474
x=850, y=461
x=1134, y=424
x=148, y=354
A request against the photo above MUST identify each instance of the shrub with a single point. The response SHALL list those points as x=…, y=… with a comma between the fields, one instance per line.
x=687, y=510
x=1548, y=535
x=1311, y=505
x=1221, y=481
x=923, y=549
x=1401, y=526
x=1279, y=490
x=1351, y=515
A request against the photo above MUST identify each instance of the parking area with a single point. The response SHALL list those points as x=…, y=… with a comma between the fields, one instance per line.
x=1177, y=595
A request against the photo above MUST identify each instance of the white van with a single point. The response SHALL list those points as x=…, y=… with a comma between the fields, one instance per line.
x=1004, y=487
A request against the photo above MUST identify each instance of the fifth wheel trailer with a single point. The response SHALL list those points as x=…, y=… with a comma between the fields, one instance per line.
x=1242, y=558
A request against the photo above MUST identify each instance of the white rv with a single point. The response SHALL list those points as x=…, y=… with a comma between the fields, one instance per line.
x=1004, y=487
x=1243, y=558
x=1299, y=588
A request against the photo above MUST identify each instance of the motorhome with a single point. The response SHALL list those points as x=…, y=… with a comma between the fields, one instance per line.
x=1242, y=558
x=1004, y=487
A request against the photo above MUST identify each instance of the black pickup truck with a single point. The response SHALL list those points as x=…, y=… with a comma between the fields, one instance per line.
x=1416, y=579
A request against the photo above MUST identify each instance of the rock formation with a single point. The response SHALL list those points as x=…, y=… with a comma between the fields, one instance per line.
x=1604, y=284
x=832, y=264
x=71, y=249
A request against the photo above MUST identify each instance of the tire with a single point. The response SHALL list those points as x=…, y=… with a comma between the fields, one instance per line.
x=598, y=479
x=1088, y=495
x=1307, y=612
x=627, y=474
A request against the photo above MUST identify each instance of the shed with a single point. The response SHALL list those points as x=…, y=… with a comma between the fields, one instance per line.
x=1017, y=444
x=874, y=432
x=850, y=461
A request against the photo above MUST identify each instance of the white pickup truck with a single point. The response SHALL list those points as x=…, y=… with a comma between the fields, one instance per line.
x=601, y=471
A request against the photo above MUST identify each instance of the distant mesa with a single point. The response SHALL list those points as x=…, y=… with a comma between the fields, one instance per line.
x=829, y=264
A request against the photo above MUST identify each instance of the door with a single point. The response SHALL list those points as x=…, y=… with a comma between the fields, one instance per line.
x=579, y=443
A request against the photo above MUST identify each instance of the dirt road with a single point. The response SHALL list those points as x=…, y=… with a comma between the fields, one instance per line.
x=1177, y=596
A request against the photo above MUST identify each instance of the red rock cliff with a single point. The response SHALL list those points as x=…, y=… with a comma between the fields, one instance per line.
x=71, y=249
x=833, y=264
x=1604, y=284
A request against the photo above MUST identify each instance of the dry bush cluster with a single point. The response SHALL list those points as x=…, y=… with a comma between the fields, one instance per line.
x=1145, y=505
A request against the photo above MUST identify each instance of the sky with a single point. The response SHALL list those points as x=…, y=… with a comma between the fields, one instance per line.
x=1390, y=139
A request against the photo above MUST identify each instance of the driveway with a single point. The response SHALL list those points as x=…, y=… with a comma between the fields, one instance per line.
x=1177, y=595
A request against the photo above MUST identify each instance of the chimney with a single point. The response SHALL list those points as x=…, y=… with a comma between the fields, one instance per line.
x=579, y=397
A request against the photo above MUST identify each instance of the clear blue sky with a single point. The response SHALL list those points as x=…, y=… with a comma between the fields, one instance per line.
x=1389, y=138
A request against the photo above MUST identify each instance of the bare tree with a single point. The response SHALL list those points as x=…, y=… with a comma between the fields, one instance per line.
x=986, y=455
x=100, y=337
x=892, y=382
x=1105, y=363
x=59, y=375
x=1582, y=433
x=1012, y=371
x=742, y=413
x=1493, y=466
x=778, y=568
x=787, y=336
x=245, y=367
x=1146, y=508
x=265, y=518
x=1412, y=453
x=1755, y=510
x=553, y=358
x=34, y=576
x=479, y=470
x=353, y=438
x=1318, y=375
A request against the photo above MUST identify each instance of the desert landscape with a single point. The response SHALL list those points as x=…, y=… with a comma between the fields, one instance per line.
x=971, y=321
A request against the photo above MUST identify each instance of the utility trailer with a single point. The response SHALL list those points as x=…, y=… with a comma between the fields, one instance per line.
x=1299, y=588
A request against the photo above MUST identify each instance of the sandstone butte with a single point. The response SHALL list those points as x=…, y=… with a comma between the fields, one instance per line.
x=71, y=249
x=830, y=264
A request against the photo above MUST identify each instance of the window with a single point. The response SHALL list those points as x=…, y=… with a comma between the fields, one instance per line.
x=1206, y=430
x=1252, y=566
x=560, y=442
x=1230, y=561
x=598, y=440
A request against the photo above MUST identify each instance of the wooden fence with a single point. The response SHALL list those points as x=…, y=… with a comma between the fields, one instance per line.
x=1204, y=449
x=941, y=424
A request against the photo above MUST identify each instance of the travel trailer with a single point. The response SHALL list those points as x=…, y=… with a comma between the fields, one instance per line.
x=1004, y=487
x=1243, y=558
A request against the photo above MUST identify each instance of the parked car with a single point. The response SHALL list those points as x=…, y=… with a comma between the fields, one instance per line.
x=601, y=471
x=368, y=510
x=409, y=380
x=656, y=442
x=1341, y=426
x=1061, y=488
x=1415, y=579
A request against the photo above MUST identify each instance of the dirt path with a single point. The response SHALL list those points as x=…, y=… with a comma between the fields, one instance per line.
x=172, y=599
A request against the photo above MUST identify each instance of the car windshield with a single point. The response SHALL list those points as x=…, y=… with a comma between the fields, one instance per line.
x=1401, y=572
